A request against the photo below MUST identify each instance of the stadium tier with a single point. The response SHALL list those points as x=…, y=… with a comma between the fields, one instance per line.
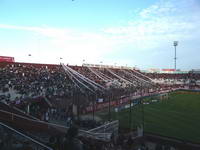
x=42, y=101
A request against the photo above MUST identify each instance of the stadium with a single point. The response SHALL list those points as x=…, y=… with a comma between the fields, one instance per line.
x=99, y=75
x=113, y=107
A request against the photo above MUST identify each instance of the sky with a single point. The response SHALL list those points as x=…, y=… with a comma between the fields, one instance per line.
x=122, y=32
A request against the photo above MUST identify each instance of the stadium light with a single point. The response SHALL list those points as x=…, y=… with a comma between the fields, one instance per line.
x=101, y=63
x=60, y=60
x=83, y=62
x=175, y=58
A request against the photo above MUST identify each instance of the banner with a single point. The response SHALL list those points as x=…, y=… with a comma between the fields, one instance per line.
x=6, y=59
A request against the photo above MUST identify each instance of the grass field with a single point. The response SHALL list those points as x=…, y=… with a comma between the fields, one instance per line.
x=178, y=116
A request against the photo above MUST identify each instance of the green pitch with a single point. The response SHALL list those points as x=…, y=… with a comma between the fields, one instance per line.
x=178, y=116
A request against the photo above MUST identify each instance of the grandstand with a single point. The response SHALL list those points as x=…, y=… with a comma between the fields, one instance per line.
x=53, y=98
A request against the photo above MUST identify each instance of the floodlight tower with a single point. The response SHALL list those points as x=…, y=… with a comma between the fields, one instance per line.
x=175, y=44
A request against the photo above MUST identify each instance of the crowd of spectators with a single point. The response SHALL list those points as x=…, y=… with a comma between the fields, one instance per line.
x=87, y=73
x=29, y=80
x=32, y=81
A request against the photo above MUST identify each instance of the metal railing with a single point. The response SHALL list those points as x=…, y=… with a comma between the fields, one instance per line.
x=20, y=138
x=30, y=124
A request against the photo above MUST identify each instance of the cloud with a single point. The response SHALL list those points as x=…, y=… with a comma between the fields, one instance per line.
x=165, y=20
x=75, y=45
